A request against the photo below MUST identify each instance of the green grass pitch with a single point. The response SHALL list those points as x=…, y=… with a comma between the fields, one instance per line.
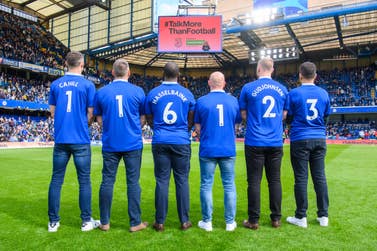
x=25, y=175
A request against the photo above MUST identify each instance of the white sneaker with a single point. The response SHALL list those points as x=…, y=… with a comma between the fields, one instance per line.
x=323, y=221
x=205, y=225
x=231, y=226
x=298, y=222
x=90, y=225
x=53, y=226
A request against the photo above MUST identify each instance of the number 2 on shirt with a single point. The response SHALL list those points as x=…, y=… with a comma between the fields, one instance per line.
x=268, y=113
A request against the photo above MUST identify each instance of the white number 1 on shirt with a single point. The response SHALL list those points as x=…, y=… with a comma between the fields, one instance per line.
x=221, y=114
x=119, y=98
x=69, y=103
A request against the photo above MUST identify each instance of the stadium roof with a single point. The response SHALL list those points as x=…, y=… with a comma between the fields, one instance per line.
x=342, y=32
x=46, y=9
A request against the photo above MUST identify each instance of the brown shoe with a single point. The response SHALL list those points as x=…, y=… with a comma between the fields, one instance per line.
x=247, y=224
x=186, y=225
x=105, y=227
x=158, y=227
x=276, y=223
x=139, y=227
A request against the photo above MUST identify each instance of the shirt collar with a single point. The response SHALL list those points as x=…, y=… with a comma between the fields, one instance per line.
x=73, y=74
x=307, y=84
x=218, y=91
x=264, y=77
x=120, y=80
x=169, y=83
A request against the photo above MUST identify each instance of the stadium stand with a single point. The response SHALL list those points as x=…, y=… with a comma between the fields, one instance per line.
x=32, y=45
x=27, y=41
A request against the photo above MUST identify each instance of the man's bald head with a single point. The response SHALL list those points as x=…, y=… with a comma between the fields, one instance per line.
x=171, y=71
x=216, y=81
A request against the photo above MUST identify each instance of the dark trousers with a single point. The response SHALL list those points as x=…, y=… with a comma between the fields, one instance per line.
x=169, y=157
x=313, y=152
x=270, y=158
x=132, y=162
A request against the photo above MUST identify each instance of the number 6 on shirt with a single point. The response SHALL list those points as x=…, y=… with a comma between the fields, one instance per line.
x=167, y=112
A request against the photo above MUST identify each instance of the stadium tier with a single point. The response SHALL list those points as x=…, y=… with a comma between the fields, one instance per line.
x=31, y=57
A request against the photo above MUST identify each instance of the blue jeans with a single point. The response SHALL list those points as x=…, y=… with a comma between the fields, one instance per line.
x=132, y=161
x=167, y=157
x=311, y=151
x=82, y=159
x=207, y=173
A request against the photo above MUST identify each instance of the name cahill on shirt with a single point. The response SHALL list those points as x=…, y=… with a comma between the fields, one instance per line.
x=267, y=86
x=169, y=92
x=69, y=83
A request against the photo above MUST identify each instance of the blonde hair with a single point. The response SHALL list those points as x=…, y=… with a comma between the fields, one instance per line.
x=266, y=64
x=120, y=68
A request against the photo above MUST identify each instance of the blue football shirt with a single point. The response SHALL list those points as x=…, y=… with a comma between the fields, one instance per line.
x=71, y=94
x=120, y=104
x=217, y=113
x=264, y=101
x=169, y=104
x=308, y=104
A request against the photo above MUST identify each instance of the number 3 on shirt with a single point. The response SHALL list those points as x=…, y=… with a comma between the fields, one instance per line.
x=169, y=116
x=312, y=108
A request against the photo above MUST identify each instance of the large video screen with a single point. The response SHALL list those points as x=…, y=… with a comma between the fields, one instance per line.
x=290, y=7
x=189, y=34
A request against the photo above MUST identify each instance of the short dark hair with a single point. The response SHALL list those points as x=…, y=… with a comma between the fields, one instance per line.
x=171, y=70
x=73, y=59
x=308, y=70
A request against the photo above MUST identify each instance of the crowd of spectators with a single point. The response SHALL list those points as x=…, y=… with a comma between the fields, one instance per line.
x=352, y=87
x=37, y=129
x=29, y=42
x=357, y=129
x=18, y=88
x=25, y=129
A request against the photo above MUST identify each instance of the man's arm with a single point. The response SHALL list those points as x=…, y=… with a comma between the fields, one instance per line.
x=285, y=112
x=190, y=120
x=149, y=118
x=52, y=111
x=244, y=115
x=197, y=129
x=99, y=120
x=90, y=115
x=142, y=120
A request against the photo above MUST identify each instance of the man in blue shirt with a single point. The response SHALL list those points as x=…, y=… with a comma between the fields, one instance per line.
x=261, y=104
x=308, y=108
x=119, y=110
x=71, y=106
x=216, y=116
x=169, y=109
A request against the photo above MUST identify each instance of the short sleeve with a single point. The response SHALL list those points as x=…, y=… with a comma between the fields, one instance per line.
x=91, y=94
x=197, y=115
x=97, y=106
x=243, y=99
x=147, y=106
x=52, y=98
x=192, y=103
x=142, y=102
